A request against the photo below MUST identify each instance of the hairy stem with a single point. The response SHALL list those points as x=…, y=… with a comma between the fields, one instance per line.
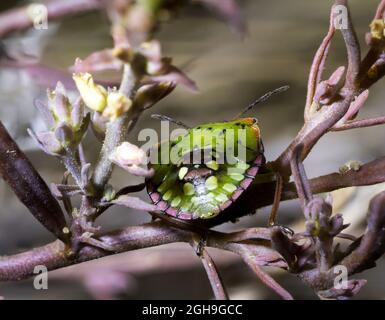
x=116, y=132
x=73, y=167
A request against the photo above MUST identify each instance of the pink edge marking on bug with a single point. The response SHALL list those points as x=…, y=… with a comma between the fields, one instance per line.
x=172, y=212
x=246, y=183
x=194, y=216
x=155, y=197
x=236, y=194
x=162, y=206
x=225, y=205
x=185, y=215
x=253, y=171
x=259, y=160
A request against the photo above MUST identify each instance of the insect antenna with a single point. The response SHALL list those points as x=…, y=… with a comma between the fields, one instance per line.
x=265, y=97
x=162, y=117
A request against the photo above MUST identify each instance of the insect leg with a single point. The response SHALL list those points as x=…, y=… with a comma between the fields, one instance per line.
x=201, y=245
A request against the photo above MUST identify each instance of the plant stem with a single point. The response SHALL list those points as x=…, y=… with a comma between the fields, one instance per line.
x=116, y=132
x=73, y=167
x=214, y=277
x=266, y=279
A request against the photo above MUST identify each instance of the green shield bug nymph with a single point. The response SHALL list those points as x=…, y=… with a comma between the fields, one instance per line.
x=189, y=189
x=202, y=172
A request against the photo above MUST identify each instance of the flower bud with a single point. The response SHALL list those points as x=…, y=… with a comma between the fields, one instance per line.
x=93, y=95
x=58, y=103
x=149, y=94
x=77, y=113
x=66, y=122
x=117, y=104
x=128, y=154
x=47, y=142
x=64, y=134
x=377, y=29
x=132, y=159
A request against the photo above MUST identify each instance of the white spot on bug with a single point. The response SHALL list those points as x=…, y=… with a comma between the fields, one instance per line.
x=182, y=172
x=211, y=183
x=229, y=187
x=236, y=177
x=221, y=198
x=186, y=206
x=176, y=201
x=167, y=196
x=212, y=165
x=188, y=189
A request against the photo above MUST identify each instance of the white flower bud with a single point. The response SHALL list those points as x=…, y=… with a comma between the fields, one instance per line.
x=117, y=104
x=128, y=154
x=93, y=95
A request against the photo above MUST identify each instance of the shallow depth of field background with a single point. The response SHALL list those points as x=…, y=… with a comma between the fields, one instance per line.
x=283, y=36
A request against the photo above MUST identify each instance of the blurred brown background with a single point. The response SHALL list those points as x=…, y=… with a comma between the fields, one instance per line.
x=283, y=36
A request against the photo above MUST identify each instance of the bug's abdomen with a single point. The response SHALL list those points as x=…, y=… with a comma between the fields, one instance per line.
x=203, y=191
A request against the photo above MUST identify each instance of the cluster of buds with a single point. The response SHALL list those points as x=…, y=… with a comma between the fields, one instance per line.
x=146, y=59
x=157, y=74
x=111, y=104
x=66, y=122
x=328, y=89
x=320, y=222
x=132, y=159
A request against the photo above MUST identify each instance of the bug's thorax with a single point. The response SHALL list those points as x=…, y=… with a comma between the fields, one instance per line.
x=197, y=173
